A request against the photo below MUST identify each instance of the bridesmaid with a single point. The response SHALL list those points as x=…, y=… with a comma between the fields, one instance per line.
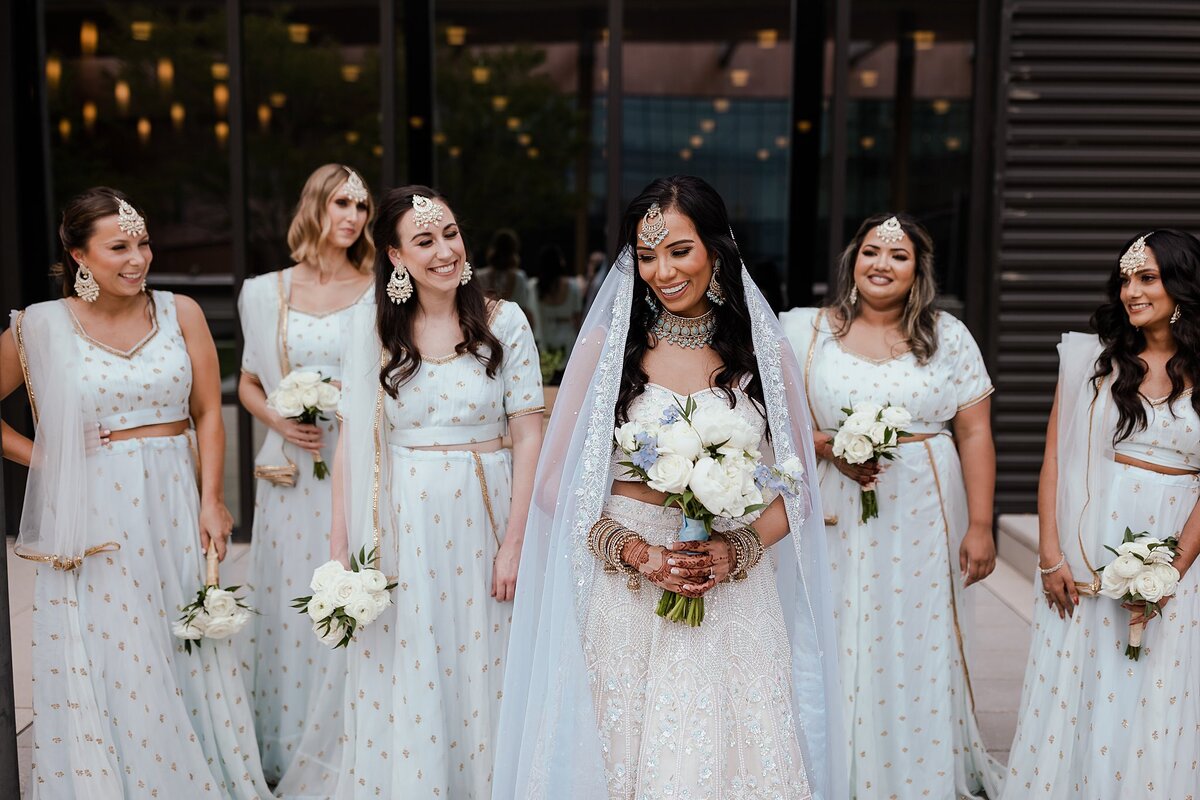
x=293, y=319
x=900, y=577
x=433, y=381
x=1122, y=451
x=118, y=377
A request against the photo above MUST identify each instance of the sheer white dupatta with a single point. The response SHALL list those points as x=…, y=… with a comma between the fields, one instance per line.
x=548, y=745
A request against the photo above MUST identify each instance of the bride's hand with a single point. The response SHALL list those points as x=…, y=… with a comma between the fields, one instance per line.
x=721, y=551
x=682, y=573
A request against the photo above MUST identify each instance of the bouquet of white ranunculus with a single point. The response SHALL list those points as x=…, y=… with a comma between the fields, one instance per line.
x=706, y=461
x=305, y=396
x=870, y=432
x=344, y=600
x=1141, y=574
x=216, y=613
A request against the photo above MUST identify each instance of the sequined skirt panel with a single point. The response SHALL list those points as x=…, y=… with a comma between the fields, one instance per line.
x=692, y=713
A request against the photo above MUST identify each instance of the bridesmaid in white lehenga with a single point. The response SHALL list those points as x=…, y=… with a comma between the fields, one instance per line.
x=433, y=381
x=116, y=376
x=900, y=577
x=1122, y=451
x=294, y=319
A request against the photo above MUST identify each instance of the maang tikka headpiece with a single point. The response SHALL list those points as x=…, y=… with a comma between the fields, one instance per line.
x=354, y=188
x=890, y=231
x=425, y=211
x=654, y=227
x=1134, y=258
x=129, y=220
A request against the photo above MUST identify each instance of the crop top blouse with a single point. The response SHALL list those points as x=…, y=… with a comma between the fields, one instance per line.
x=649, y=406
x=1171, y=437
x=148, y=384
x=450, y=400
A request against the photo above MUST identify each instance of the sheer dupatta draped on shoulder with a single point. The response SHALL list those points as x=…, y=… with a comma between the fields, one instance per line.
x=548, y=745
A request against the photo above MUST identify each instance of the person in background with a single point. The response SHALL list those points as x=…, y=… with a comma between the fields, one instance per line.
x=502, y=278
x=559, y=305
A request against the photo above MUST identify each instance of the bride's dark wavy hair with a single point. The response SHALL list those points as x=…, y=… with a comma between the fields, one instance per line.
x=394, y=321
x=1178, y=257
x=699, y=202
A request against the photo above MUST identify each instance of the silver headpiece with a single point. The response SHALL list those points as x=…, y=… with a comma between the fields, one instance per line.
x=129, y=220
x=354, y=188
x=1134, y=258
x=654, y=227
x=890, y=230
x=425, y=211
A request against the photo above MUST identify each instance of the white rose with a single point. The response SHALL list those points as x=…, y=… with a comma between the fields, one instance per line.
x=896, y=417
x=220, y=627
x=853, y=449
x=626, y=435
x=305, y=378
x=877, y=431
x=1133, y=548
x=325, y=574
x=362, y=609
x=344, y=588
x=382, y=600
x=1148, y=586
x=219, y=603
x=1113, y=585
x=310, y=396
x=714, y=488
x=713, y=424
x=1168, y=575
x=286, y=402
x=319, y=607
x=1160, y=555
x=186, y=630
x=867, y=408
x=328, y=396
x=679, y=439
x=743, y=438
x=373, y=580
x=333, y=637
x=857, y=424
x=670, y=473
x=1125, y=566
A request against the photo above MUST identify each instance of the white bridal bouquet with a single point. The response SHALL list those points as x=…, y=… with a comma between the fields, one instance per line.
x=305, y=396
x=870, y=432
x=706, y=461
x=216, y=613
x=344, y=600
x=1142, y=574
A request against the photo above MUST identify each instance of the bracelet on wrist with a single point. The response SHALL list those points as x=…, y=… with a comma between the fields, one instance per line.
x=1055, y=568
x=607, y=541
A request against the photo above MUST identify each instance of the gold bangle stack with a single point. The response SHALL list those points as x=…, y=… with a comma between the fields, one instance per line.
x=606, y=541
x=747, y=551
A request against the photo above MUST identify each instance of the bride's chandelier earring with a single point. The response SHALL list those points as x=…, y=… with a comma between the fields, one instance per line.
x=399, y=286
x=714, y=292
x=86, y=288
x=465, y=277
x=854, y=295
x=649, y=297
x=1175, y=315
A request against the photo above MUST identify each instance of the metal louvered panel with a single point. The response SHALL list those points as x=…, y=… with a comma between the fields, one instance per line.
x=1098, y=123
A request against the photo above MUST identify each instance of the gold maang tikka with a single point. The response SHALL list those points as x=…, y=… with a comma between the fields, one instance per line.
x=654, y=227
x=425, y=211
x=354, y=188
x=1134, y=258
x=129, y=220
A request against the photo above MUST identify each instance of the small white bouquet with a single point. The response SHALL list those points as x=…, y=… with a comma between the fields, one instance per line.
x=1141, y=574
x=305, y=396
x=344, y=600
x=216, y=613
x=706, y=461
x=870, y=432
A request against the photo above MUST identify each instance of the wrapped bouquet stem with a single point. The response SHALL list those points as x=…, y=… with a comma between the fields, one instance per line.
x=869, y=433
x=216, y=613
x=1142, y=575
x=306, y=397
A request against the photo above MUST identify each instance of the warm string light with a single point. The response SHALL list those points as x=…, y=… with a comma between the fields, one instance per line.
x=178, y=115
x=221, y=129
x=456, y=35
x=53, y=72
x=481, y=74
x=351, y=72
x=89, y=115
x=264, y=117
x=220, y=98
x=166, y=74
x=298, y=32
x=89, y=38
x=141, y=30
x=220, y=71
x=122, y=95
x=143, y=130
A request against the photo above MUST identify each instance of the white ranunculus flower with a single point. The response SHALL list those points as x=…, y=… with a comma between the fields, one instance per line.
x=1113, y=585
x=319, y=607
x=304, y=377
x=336, y=634
x=1148, y=586
x=670, y=473
x=626, y=435
x=858, y=424
x=877, y=431
x=867, y=408
x=382, y=600
x=287, y=403
x=1168, y=575
x=1126, y=566
x=896, y=417
x=221, y=627
x=373, y=580
x=714, y=424
x=1160, y=555
x=679, y=439
x=856, y=450
x=362, y=609
x=325, y=574
x=310, y=396
x=328, y=396
x=219, y=603
x=187, y=631
x=1133, y=548
x=344, y=588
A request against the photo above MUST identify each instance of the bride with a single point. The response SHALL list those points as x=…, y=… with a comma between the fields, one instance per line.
x=602, y=698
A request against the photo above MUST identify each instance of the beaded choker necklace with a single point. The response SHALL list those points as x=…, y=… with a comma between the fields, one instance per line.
x=692, y=332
